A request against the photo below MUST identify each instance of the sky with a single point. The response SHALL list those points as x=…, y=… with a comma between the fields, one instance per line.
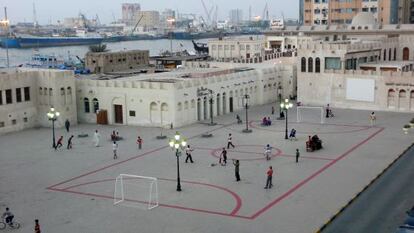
x=49, y=11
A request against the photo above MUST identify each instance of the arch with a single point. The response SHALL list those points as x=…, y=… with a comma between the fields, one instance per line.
x=402, y=100
x=317, y=65
x=406, y=54
x=218, y=105
x=224, y=103
x=205, y=108
x=199, y=109
x=391, y=98
x=165, y=117
x=412, y=100
x=310, y=65
x=95, y=104
x=154, y=116
x=303, y=64
x=62, y=91
x=69, y=95
x=40, y=91
x=69, y=91
x=86, y=106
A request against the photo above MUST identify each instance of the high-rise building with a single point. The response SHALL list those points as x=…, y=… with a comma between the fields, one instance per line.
x=236, y=16
x=129, y=10
x=327, y=12
x=149, y=19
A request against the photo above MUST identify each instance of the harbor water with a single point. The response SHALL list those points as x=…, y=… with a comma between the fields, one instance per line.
x=22, y=56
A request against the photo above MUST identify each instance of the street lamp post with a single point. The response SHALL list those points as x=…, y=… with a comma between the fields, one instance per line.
x=246, y=99
x=53, y=115
x=285, y=106
x=211, y=107
x=178, y=143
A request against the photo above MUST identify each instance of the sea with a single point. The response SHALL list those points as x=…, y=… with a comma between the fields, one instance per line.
x=22, y=56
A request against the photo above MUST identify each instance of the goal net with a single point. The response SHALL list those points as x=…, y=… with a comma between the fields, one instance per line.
x=136, y=191
x=309, y=114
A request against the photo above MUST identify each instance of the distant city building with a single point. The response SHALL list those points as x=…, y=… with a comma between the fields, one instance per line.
x=129, y=10
x=222, y=24
x=167, y=14
x=107, y=62
x=149, y=19
x=325, y=12
x=236, y=16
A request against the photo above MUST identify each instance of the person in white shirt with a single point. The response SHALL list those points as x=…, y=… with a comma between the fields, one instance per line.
x=96, y=138
x=229, y=141
x=372, y=118
x=268, y=152
x=188, y=151
x=114, y=149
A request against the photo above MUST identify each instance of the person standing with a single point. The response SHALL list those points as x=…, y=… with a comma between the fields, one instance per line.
x=268, y=152
x=236, y=164
x=297, y=155
x=328, y=109
x=188, y=151
x=37, y=226
x=229, y=141
x=223, y=157
x=59, y=143
x=70, y=142
x=114, y=149
x=96, y=137
x=67, y=125
x=273, y=110
x=139, y=142
x=372, y=118
x=269, y=178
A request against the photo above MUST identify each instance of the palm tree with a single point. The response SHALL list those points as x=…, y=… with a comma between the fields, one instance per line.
x=98, y=48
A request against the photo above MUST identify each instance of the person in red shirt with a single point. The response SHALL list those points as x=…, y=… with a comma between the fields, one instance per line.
x=37, y=226
x=59, y=143
x=269, y=178
x=139, y=142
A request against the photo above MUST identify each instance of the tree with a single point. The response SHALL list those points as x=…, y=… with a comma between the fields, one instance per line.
x=98, y=48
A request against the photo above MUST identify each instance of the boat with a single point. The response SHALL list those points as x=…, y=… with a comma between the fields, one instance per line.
x=37, y=41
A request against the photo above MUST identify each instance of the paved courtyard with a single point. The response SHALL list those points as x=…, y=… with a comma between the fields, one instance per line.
x=72, y=190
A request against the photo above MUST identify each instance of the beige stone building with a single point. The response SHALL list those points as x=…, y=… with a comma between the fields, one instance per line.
x=236, y=48
x=330, y=12
x=26, y=95
x=116, y=61
x=149, y=19
x=376, y=75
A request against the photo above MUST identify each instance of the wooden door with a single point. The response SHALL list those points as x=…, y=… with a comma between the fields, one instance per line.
x=118, y=114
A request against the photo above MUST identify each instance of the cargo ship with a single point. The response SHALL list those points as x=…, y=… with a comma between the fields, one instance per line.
x=37, y=41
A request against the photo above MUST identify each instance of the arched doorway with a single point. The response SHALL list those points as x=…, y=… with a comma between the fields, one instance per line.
x=164, y=117
x=199, y=115
x=406, y=54
x=218, y=105
x=205, y=108
x=402, y=100
x=154, y=115
x=224, y=104
x=391, y=98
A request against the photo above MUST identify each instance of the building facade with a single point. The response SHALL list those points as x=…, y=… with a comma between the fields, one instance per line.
x=26, y=96
x=235, y=16
x=148, y=19
x=377, y=75
x=236, y=48
x=325, y=12
x=129, y=10
x=116, y=61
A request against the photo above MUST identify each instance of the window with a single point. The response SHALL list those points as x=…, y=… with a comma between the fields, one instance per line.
x=332, y=63
x=27, y=94
x=317, y=65
x=18, y=95
x=310, y=65
x=86, y=105
x=14, y=122
x=2, y=124
x=62, y=91
x=303, y=65
x=25, y=120
x=9, y=99
x=132, y=113
x=1, y=98
x=50, y=91
x=95, y=105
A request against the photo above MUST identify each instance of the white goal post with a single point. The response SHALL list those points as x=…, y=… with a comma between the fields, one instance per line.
x=299, y=112
x=136, y=191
